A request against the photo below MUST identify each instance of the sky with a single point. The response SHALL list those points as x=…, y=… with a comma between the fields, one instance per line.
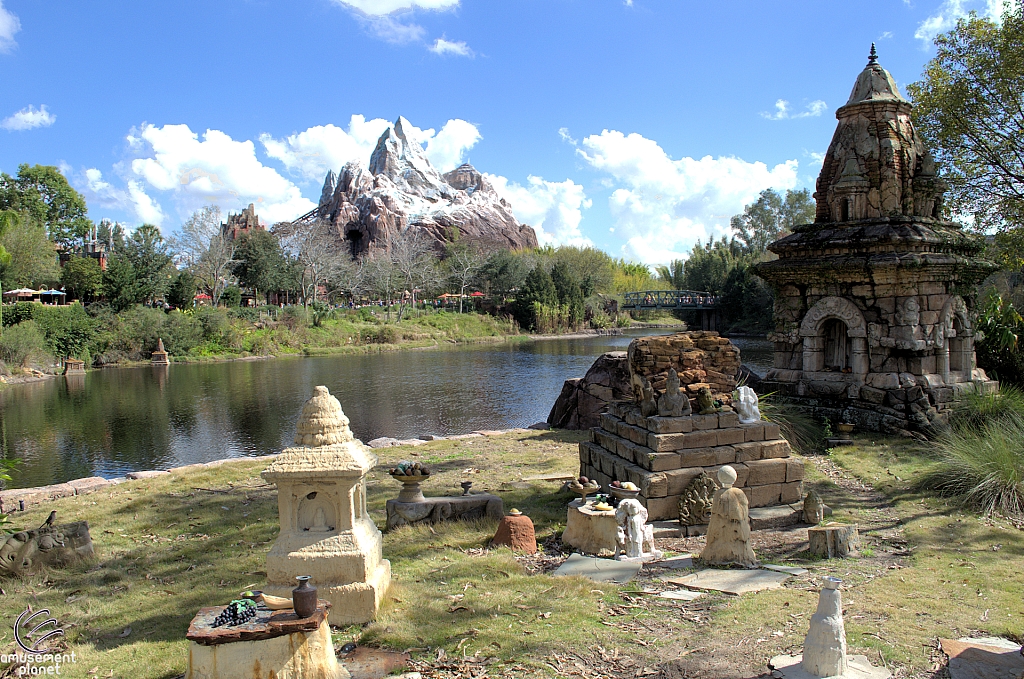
x=635, y=126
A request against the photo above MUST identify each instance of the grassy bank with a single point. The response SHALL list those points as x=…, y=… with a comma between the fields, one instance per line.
x=169, y=546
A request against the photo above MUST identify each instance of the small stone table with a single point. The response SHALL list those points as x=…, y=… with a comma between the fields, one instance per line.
x=445, y=508
x=589, y=530
x=273, y=645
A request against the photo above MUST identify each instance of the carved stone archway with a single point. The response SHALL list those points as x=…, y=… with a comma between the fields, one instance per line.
x=812, y=332
x=955, y=347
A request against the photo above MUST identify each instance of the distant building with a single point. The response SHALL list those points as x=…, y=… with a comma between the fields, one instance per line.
x=241, y=224
x=92, y=247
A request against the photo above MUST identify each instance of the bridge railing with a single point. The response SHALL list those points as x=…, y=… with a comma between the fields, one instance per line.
x=669, y=299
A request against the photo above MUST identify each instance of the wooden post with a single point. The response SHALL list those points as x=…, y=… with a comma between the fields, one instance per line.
x=833, y=540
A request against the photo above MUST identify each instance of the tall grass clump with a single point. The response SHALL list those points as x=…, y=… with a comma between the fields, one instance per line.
x=982, y=466
x=973, y=410
x=803, y=431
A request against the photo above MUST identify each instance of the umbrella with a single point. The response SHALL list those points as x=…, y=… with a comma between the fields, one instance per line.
x=476, y=294
x=22, y=291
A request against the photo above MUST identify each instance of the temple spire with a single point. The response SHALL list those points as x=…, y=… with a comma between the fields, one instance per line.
x=873, y=57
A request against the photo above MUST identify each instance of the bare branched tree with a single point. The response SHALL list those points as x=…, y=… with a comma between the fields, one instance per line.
x=203, y=248
x=463, y=263
x=316, y=247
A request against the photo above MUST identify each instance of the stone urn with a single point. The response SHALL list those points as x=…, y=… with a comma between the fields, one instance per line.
x=845, y=428
x=411, y=490
x=584, y=489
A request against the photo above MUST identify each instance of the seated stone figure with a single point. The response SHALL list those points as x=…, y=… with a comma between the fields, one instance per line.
x=746, y=406
x=648, y=406
x=673, y=403
x=705, y=402
x=729, y=529
x=634, y=535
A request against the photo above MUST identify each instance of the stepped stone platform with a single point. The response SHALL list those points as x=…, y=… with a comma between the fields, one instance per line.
x=663, y=455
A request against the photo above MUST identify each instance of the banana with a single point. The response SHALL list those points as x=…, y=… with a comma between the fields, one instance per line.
x=276, y=603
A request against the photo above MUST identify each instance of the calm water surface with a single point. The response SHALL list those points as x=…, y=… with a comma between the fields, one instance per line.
x=117, y=420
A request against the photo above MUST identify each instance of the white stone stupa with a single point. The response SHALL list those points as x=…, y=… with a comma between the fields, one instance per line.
x=325, y=530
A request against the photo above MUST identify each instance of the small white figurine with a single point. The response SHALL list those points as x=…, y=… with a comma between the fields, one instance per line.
x=634, y=535
x=746, y=406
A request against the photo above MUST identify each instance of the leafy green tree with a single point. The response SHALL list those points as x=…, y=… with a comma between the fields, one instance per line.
x=537, y=288
x=570, y=295
x=502, y=273
x=119, y=286
x=261, y=263
x=82, y=278
x=968, y=108
x=232, y=296
x=150, y=258
x=181, y=293
x=770, y=217
x=111, y=233
x=593, y=269
x=42, y=192
x=68, y=330
x=33, y=260
x=673, y=273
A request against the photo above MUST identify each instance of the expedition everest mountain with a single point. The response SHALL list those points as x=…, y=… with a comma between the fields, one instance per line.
x=402, y=191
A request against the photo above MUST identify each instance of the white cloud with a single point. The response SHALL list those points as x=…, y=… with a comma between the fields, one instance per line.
x=9, y=25
x=382, y=7
x=132, y=199
x=443, y=47
x=951, y=11
x=553, y=209
x=782, y=110
x=313, y=152
x=885, y=35
x=662, y=206
x=216, y=169
x=29, y=118
x=391, y=30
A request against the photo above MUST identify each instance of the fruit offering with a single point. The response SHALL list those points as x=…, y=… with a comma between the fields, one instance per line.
x=406, y=468
x=238, y=612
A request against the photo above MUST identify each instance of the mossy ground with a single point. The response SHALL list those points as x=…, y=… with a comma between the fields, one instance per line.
x=168, y=546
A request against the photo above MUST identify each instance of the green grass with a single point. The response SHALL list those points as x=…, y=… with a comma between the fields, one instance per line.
x=974, y=409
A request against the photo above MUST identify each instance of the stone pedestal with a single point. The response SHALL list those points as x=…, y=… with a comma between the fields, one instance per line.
x=276, y=645
x=326, y=532
x=160, y=356
x=445, y=508
x=591, y=531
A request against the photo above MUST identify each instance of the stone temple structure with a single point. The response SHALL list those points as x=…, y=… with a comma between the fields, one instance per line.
x=872, y=299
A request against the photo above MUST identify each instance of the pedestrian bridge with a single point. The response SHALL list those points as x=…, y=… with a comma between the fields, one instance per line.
x=669, y=299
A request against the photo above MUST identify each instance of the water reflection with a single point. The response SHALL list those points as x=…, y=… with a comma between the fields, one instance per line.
x=113, y=421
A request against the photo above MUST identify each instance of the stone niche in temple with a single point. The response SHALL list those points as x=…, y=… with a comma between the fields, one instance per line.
x=872, y=322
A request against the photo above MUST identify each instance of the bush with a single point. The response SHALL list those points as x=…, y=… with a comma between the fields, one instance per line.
x=803, y=431
x=22, y=345
x=982, y=467
x=973, y=410
x=19, y=312
x=68, y=330
x=383, y=334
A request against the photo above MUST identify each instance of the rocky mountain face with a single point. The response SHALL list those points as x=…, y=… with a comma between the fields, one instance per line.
x=401, y=190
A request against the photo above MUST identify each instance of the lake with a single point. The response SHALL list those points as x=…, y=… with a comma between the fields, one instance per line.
x=116, y=420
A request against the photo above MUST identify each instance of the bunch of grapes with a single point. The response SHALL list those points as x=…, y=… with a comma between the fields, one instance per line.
x=238, y=612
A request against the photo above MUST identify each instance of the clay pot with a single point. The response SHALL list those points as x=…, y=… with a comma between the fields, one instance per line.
x=304, y=599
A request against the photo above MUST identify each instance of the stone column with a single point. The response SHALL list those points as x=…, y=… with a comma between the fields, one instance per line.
x=814, y=354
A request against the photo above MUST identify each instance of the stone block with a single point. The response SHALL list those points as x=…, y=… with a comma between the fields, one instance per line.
x=775, y=449
x=605, y=440
x=872, y=395
x=728, y=437
x=794, y=470
x=753, y=431
x=727, y=419
x=766, y=472
x=89, y=484
x=699, y=457
x=622, y=429
x=656, y=462
x=883, y=381
x=765, y=496
x=654, y=484
x=792, y=492
x=662, y=508
x=679, y=479
x=671, y=442
x=669, y=425
x=610, y=423
x=138, y=476
x=931, y=288
x=771, y=431
x=704, y=422
x=584, y=453
x=750, y=450
x=625, y=449
x=936, y=302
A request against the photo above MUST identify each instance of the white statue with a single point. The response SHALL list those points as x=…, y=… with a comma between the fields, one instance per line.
x=746, y=406
x=825, y=645
x=319, y=522
x=634, y=535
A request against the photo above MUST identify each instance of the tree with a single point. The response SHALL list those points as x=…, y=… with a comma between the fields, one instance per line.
x=43, y=193
x=315, y=246
x=537, y=288
x=771, y=217
x=260, y=262
x=119, y=283
x=181, y=293
x=969, y=110
x=204, y=249
x=33, y=260
x=503, y=272
x=673, y=273
x=150, y=258
x=463, y=264
x=412, y=256
x=569, y=293
x=82, y=278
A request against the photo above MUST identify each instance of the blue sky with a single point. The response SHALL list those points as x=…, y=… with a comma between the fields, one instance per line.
x=637, y=126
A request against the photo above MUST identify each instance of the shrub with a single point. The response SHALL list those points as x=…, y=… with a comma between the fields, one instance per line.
x=18, y=313
x=804, y=432
x=382, y=334
x=68, y=330
x=23, y=344
x=973, y=410
x=982, y=467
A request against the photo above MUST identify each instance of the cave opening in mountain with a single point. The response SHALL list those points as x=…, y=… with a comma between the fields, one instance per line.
x=355, y=241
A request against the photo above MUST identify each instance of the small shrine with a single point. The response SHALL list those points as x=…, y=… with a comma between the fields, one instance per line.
x=326, y=532
x=160, y=356
x=872, y=322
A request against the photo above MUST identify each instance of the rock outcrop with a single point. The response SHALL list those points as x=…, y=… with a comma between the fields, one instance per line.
x=582, y=400
x=400, y=190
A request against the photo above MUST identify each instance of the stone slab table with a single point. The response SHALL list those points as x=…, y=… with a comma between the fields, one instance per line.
x=444, y=508
x=590, y=530
x=273, y=645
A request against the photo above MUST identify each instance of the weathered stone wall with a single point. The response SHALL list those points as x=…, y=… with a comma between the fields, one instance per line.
x=701, y=358
x=662, y=455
